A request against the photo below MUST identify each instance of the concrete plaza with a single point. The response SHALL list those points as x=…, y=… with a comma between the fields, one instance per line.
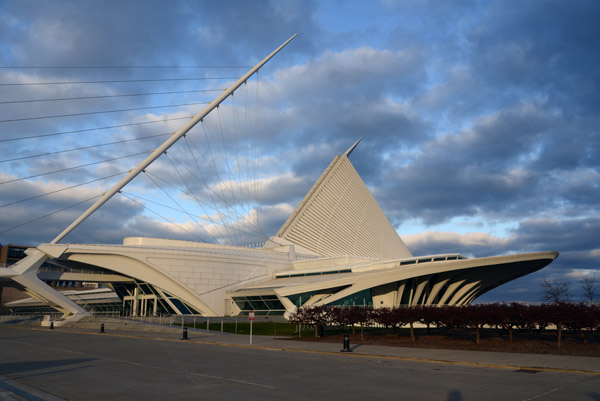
x=82, y=364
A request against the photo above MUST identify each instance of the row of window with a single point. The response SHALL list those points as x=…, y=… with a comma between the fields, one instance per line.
x=90, y=306
x=402, y=263
x=432, y=259
x=261, y=305
x=314, y=273
x=271, y=305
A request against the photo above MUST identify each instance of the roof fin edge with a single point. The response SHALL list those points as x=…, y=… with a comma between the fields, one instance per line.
x=351, y=149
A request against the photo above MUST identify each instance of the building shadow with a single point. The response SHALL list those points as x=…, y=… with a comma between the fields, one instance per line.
x=454, y=395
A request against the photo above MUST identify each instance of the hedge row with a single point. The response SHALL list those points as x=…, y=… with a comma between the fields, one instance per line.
x=514, y=316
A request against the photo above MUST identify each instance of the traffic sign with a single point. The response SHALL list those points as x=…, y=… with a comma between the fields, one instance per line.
x=251, y=315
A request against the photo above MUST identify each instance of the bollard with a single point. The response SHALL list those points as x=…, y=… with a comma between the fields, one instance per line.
x=102, y=328
x=346, y=344
x=51, y=325
x=184, y=334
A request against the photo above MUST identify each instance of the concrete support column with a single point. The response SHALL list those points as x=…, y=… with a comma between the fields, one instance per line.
x=134, y=306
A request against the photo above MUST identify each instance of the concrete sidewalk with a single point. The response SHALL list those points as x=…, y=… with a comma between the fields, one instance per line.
x=500, y=360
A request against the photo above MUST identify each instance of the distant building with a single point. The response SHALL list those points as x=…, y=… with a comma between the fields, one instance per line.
x=11, y=254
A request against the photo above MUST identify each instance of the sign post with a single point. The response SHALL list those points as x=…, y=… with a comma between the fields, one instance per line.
x=251, y=318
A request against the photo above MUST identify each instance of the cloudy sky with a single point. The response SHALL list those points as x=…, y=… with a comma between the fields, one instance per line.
x=480, y=120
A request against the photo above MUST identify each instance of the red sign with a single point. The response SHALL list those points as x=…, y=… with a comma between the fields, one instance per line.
x=251, y=315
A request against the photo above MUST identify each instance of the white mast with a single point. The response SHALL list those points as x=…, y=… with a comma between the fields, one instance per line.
x=166, y=145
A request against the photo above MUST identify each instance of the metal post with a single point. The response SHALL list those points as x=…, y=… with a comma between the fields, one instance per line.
x=194, y=322
x=235, y=326
x=207, y=324
x=250, y=332
x=346, y=344
x=221, y=325
x=184, y=334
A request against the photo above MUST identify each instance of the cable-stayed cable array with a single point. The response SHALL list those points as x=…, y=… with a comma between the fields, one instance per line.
x=59, y=140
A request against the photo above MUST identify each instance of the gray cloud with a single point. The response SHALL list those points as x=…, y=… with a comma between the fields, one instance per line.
x=148, y=32
x=474, y=111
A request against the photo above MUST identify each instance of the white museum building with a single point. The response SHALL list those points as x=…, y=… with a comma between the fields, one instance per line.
x=337, y=248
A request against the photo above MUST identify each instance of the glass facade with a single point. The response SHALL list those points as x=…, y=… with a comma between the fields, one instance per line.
x=361, y=298
x=261, y=305
x=162, y=307
x=300, y=299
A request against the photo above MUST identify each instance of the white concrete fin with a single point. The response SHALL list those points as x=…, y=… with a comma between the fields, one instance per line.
x=339, y=216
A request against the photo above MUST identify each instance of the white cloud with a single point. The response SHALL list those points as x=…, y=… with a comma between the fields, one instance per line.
x=468, y=240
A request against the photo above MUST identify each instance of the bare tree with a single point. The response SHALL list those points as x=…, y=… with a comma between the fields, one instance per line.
x=589, y=285
x=555, y=290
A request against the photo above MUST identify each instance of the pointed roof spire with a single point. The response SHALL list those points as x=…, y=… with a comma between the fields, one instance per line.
x=349, y=151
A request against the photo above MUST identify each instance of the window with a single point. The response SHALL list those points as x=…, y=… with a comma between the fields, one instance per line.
x=361, y=298
x=315, y=273
x=300, y=299
x=261, y=305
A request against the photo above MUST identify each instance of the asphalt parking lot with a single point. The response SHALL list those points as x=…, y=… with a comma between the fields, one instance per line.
x=53, y=364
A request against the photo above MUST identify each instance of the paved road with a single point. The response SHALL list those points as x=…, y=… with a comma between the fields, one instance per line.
x=54, y=365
